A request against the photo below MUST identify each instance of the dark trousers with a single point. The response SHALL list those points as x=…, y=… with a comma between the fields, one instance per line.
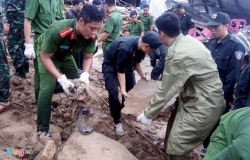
x=112, y=84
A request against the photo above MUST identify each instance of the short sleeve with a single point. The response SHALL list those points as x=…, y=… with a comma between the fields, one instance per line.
x=31, y=9
x=122, y=61
x=51, y=40
x=141, y=27
x=90, y=47
x=109, y=26
x=151, y=20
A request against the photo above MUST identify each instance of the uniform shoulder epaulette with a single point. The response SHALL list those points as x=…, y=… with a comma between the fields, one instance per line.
x=93, y=36
x=109, y=15
x=235, y=39
x=65, y=32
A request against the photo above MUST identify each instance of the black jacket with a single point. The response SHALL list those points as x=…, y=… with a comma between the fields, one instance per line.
x=71, y=14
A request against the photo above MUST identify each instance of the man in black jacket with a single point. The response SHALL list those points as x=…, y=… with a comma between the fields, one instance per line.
x=72, y=13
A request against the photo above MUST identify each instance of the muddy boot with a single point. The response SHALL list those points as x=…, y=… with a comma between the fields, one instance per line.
x=20, y=72
x=26, y=67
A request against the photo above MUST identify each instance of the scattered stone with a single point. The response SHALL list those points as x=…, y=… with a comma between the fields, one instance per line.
x=48, y=152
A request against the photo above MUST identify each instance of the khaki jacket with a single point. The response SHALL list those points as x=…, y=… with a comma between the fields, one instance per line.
x=190, y=69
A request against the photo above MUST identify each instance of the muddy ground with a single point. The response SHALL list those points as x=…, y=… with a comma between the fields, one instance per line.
x=18, y=125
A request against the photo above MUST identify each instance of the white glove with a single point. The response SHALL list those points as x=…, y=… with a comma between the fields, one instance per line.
x=143, y=119
x=29, y=51
x=65, y=83
x=84, y=77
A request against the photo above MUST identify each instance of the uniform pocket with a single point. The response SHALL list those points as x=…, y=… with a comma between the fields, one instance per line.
x=44, y=12
x=222, y=63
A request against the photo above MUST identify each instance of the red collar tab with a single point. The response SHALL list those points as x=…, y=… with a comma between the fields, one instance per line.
x=134, y=53
x=65, y=32
x=72, y=35
x=93, y=36
x=109, y=15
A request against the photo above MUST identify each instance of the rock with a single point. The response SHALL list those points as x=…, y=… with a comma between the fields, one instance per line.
x=48, y=152
x=92, y=147
x=140, y=95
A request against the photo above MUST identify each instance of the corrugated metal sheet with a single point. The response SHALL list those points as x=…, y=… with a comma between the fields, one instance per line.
x=157, y=7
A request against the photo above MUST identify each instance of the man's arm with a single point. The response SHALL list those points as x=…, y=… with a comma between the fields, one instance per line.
x=233, y=71
x=151, y=23
x=109, y=27
x=48, y=64
x=142, y=29
x=173, y=78
x=103, y=37
x=191, y=25
x=27, y=30
x=60, y=15
x=139, y=70
x=9, y=16
x=87, y=62
x=122, y=81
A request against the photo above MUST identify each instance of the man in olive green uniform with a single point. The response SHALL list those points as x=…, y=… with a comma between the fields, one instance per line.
x=136, y=28
x=39, y=15
x=191, y=71
x=4, y=70
x=147, y=19
x=54, y=54
x=113, y=25
x=231, y=138
x=14, y=18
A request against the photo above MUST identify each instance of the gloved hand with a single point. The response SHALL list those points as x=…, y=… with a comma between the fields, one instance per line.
x=65, y=83
x=143, y=119
x=29, y=51
x=84, y=77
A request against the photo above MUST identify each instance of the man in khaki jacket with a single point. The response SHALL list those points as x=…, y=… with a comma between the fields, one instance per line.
x=190, y=69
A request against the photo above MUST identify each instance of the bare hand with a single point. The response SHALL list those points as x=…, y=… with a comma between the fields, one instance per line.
x=144, y=77
x=6, y=28
x=125, y=95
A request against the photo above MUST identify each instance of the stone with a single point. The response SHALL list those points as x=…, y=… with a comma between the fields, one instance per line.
x=139, y=97
x=48, y=152
x=93, y=146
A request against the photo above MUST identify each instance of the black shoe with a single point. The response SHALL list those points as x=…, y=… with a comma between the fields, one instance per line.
x=20, y=72
x=26, y=67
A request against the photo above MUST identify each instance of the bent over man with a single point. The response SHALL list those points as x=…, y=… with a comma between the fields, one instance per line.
x=191, y=71
x=56, y=47
x=122, y=57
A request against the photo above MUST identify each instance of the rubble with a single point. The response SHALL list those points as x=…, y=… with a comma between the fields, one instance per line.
x=48, y=152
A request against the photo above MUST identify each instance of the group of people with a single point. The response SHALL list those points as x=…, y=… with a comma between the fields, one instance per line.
x=203, y=76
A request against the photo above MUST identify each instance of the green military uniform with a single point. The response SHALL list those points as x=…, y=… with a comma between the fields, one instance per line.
x=113, y=26
x=231, y=138
x=135, y=28
x=61, y=41
x=14, y=15
x=147, y=20
x=4, y=68
x=42, y=13
x=190, y=69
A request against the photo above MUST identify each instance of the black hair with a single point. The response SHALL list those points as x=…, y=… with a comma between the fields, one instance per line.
x=96, y=2
x=110, y=2
x=133, y=13
x=169, y=23
x=90, y=13
x=76, y=2
x=146, y=6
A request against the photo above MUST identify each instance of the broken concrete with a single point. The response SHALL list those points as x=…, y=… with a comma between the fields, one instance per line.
x=140, y=95
x=48, y=152
x=92, y=147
